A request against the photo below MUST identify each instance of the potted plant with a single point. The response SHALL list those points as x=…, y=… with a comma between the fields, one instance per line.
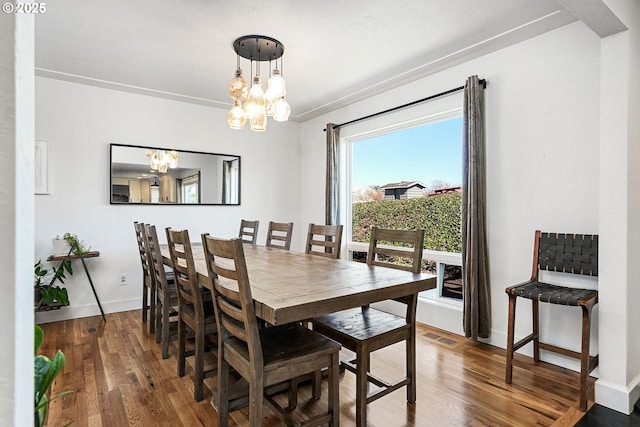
x=45, y=373
x=68, y=244
x=46, y=294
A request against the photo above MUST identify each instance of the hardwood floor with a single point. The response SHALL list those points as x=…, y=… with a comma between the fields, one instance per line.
x=119, y=378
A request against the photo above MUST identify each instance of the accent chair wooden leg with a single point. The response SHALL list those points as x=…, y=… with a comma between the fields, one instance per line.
x=511, y=322
x=584, y=359
x=535, y=311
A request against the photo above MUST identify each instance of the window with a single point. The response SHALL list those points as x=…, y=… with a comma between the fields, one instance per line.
x=410, y=176
x=191, y=189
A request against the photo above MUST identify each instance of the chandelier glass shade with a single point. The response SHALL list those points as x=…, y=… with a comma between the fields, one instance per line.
x=161, y=160
x=238, y=87
x=255, y=104
x=236, y=117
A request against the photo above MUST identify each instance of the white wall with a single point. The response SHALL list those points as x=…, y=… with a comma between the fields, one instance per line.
x=80, y=121
x=542, y=136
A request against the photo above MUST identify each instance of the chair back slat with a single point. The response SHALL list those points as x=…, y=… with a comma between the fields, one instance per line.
x=249, y=231
x=279, y=235
x=567, y=253
x=157, y=265
x=391, y=256
x=185, y=275
x=143, y=249
x=235, y=311
x=326, y=237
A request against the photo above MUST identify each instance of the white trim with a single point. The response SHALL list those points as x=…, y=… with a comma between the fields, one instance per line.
x=433, y=296
x=419, y=121
x=618, y=398
x=76, y=311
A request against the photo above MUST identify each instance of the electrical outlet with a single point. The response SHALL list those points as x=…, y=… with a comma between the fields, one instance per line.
x=124, y=279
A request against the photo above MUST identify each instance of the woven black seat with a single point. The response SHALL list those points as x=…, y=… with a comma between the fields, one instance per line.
x=564, y=253
x=553, y=294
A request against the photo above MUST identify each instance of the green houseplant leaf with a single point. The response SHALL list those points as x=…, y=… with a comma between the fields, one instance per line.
x=54, y=294
x=45, y=373
x=44, y=282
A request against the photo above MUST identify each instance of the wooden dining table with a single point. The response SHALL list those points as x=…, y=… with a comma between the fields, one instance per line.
x=289, y=286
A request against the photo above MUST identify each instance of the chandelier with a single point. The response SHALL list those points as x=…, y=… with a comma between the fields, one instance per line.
x=255, y=104
x=161, y=160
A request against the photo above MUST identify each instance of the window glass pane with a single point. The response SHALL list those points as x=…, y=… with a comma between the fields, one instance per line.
x=410, y=178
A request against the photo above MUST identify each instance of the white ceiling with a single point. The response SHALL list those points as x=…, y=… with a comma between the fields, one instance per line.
x=336, y=52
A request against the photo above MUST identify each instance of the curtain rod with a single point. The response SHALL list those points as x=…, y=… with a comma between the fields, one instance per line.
x=483, y=82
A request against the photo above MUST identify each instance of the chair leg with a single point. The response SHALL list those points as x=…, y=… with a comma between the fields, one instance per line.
x=584, y=359
x=362, y=368
x=165, y=330
x=145, y=297
x=198, y=379
x=334, y=386
x=223, y=392
x=293, y=393
x=411, y=367
x=511, y=322
x=535, y=310
x=181, y=347
x=256, y=390
x=158, y=317
x=316, y=385
x=152, y=307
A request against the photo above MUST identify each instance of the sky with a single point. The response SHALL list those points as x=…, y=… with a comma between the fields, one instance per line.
x=425, y=153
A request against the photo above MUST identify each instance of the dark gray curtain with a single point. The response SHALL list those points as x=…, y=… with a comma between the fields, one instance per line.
x=475, y=258
x=331, y=195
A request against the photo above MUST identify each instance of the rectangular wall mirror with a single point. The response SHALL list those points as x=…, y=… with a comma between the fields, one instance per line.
x=164, y=176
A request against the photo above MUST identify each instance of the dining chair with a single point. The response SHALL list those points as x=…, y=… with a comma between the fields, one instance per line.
x=279, y=235
x=195, y=310
x=249, y=231
x=166, y=293
x=148, y=282
x=566, y=255
x=364, y=330
x=262, y=356
x=324, y=240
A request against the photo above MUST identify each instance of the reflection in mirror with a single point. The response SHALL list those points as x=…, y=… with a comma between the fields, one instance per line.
x=148, y=175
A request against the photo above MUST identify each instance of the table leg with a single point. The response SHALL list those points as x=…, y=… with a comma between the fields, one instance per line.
x=93, y=289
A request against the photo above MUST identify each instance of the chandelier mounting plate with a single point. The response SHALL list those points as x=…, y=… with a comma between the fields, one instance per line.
x=258, y=48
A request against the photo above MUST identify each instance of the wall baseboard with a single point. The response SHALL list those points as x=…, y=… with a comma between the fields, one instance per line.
x=616, y=397
x=80, y=311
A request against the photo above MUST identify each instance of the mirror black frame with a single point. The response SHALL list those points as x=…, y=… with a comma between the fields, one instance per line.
x=142, y=164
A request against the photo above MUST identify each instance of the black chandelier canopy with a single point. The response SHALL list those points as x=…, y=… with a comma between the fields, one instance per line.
x=258, y=48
